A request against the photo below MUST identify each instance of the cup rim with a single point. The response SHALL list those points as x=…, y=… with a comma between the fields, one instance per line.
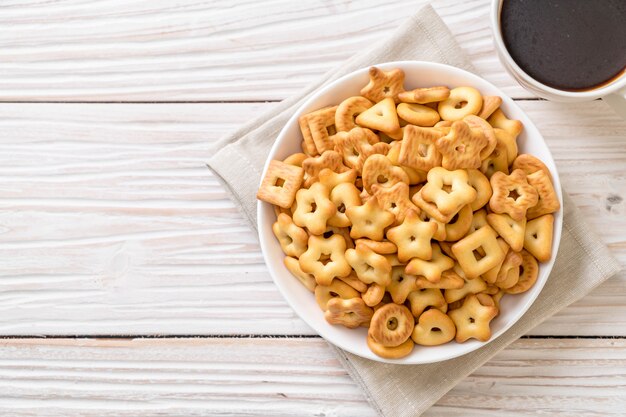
x=511, y=66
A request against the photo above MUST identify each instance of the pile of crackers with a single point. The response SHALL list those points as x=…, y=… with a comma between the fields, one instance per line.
x=410, y=212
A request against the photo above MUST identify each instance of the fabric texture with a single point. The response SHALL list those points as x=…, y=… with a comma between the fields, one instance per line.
x=582, y=263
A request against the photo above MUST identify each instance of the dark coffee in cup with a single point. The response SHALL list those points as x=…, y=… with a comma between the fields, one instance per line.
x=570, y=45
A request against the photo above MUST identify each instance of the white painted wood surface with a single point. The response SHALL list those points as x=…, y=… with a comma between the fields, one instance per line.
x=185, y=50
x=290, y=377
x=111, y=225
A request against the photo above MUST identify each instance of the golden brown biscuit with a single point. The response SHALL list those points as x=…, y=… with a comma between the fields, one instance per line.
x=538, y=237
x=369, y=220
x=280, y=184
x=293, y=266
x=325, y=259
x=425, y=95
x=369, y=266
x=336, y=288
x=292, y=239
x=391, y=325
x=401, y=284
x=348, y=110
x=417, y=114
x=314, y=208
x=461, y=102
x=462, y=147
x=512, y=194
x=430, y=269
x=433, y=328
x=529, y=271
x=412, y=237
x=466, y=248
x=387, y=352
x=548, y=200
x=350, y=313
x=384, y=84
x=472, y=320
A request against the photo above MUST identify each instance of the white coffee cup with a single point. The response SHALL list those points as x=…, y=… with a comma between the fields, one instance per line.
x=613, y=93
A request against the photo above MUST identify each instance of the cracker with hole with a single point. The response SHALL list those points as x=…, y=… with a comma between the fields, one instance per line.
x=348, y=110
x=384, y=84
x=512, y=194
x=418, y=148
x=395, y=200
x=350, y=313
x=318, y=128
x=314, y=208
x=470, y=260
x=325, y=259
x=473, y=320
x=433, y=268
x=412, y=237
x=462, y=147
x=280, y=184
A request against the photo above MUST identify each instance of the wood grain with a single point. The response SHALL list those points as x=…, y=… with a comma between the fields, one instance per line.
x=187, y=50
x=111, y=223
x=289, y=377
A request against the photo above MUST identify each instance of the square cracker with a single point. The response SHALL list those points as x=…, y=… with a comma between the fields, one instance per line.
x=280, y=184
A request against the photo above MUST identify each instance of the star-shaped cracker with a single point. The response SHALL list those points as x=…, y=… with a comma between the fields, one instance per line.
x=369, y=220
x=472, y=319
x=384, y=84
x=413, y=237
x=401, y=285
x=450, y=201
x=433, y=268
x=462, y=147
x=369, y=266
x=417, y=149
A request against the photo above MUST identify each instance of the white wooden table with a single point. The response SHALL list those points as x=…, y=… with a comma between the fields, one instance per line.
x=130, y=284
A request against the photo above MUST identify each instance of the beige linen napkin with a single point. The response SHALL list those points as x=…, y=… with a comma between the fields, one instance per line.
x=582, y=263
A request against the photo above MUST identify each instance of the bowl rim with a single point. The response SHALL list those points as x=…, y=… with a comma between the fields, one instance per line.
x=465, y=348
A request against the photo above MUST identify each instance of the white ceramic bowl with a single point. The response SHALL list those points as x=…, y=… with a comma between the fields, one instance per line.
x=418, y=74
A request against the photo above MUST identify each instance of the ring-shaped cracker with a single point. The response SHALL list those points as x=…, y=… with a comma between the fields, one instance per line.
x=348, y=110
x=462, y=102
x=391, y=325
x=387, y=352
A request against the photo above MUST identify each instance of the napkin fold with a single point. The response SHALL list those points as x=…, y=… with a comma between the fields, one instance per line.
x=583, y=262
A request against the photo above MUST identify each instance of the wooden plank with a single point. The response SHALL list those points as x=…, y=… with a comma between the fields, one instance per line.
x=209, y=51
x=289, y=377
x=111, y=224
